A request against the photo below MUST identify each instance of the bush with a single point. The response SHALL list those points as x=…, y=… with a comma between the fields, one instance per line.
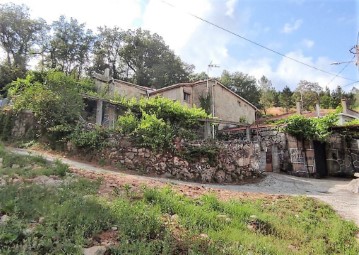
x=89, y=139
x=7, y=120
x=154, y=132
x=310, y=128
x=53, y=97
x=158, y=121
x=127, y=123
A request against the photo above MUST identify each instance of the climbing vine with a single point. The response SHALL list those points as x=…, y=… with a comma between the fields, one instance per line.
x=310, y=128
x=155, y=122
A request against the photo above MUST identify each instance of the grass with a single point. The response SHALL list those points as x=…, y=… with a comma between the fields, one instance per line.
x=64, y=219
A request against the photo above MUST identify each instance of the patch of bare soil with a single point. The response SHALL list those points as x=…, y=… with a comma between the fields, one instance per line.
x=106, y=238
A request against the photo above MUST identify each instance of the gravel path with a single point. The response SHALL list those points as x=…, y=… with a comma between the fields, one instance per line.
x=333, y=191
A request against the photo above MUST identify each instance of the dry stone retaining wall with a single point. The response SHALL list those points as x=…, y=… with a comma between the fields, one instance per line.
x=235, y=161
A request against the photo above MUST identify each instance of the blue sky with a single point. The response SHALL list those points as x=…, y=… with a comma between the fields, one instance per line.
x=317, y=32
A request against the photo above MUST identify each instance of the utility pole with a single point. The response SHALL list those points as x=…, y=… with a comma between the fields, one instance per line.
x=210, y=65
x=355, y=50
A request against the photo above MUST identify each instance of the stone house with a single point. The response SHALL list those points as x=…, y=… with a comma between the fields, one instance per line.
x=228, y=107
x=223, y=103
x=112, y=87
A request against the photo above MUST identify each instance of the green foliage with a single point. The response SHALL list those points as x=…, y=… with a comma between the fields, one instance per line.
x=28, y=163
x=62, y=220
x=8, y=74
x=151, y=61
x=172, y=111
x=285, y=98
x=209, y=151
x=310, y=128
x=352, y=122
x=127, y=123
x=205, y=102
x=308, y=93
x=70, y=46
x=19, y=34
x=267, y=93
x=156, y=121
x=7, y=120
x=91, y=140
x=154, y=132
x=53, y=98
x=243, y=85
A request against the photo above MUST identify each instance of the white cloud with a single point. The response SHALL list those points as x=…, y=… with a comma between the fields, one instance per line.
x=230, y=5
x=291, y=27
x=121, y=13
x=173, y=24
x=287, y=72
x=308, y=43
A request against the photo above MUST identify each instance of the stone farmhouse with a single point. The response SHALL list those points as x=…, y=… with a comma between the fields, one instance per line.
x=227, y=107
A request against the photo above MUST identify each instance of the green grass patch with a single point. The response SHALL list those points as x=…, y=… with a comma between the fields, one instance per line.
x=45, y=219
x=29, y=166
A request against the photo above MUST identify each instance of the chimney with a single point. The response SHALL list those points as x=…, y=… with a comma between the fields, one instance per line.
x=344, y=106
x=299, y=108
x=107, y=73
x=317, y=108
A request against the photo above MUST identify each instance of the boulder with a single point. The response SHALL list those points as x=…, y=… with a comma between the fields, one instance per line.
x=95, y=250
x=220, y=176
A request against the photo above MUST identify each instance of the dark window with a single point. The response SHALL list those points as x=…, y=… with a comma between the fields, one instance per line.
x=186, y=96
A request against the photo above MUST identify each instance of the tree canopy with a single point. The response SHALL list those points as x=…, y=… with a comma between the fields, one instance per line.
x=137, y=56
x=243, y=85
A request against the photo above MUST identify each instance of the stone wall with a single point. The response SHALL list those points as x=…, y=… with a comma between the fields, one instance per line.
x=24, y=125
x=342, y=155
x=234, y=162
x=280, y=152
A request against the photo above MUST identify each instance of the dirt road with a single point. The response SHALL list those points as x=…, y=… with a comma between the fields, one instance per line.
x=332, y=191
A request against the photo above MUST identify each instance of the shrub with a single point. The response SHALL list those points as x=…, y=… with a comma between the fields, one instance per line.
x=56, y=101
x=154, y=132
x=89, y=139
x=156, y=121
x=127, y=123
x=310, y=128
x=7, y=120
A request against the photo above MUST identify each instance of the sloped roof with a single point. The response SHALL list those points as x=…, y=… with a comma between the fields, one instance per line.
x=308, y=114
x=104, y=79
x=192, y=84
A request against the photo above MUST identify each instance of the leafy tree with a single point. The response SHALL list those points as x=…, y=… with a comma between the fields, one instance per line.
x=243, y=85
x=70, y=46
x=198, y=76
x=150, y=62
x=308, y=93
x=337, y=95
x=325, y=99
x=53, y=97
x=19, y=37
x=276, y=95
x=267, y=93
x=8, y=74
x=107, y=48
x=285, y=98
x=355, y=93
x=18, y=33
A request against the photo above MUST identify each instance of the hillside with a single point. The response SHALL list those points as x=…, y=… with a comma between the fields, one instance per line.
x=47, y=208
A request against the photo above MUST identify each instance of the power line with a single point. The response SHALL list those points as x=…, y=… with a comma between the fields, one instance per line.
x=337, y=75
x=350, y=84
x=258, y=44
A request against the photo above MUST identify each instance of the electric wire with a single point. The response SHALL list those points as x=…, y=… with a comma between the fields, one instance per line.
x=257, y=44
x=337, y=75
